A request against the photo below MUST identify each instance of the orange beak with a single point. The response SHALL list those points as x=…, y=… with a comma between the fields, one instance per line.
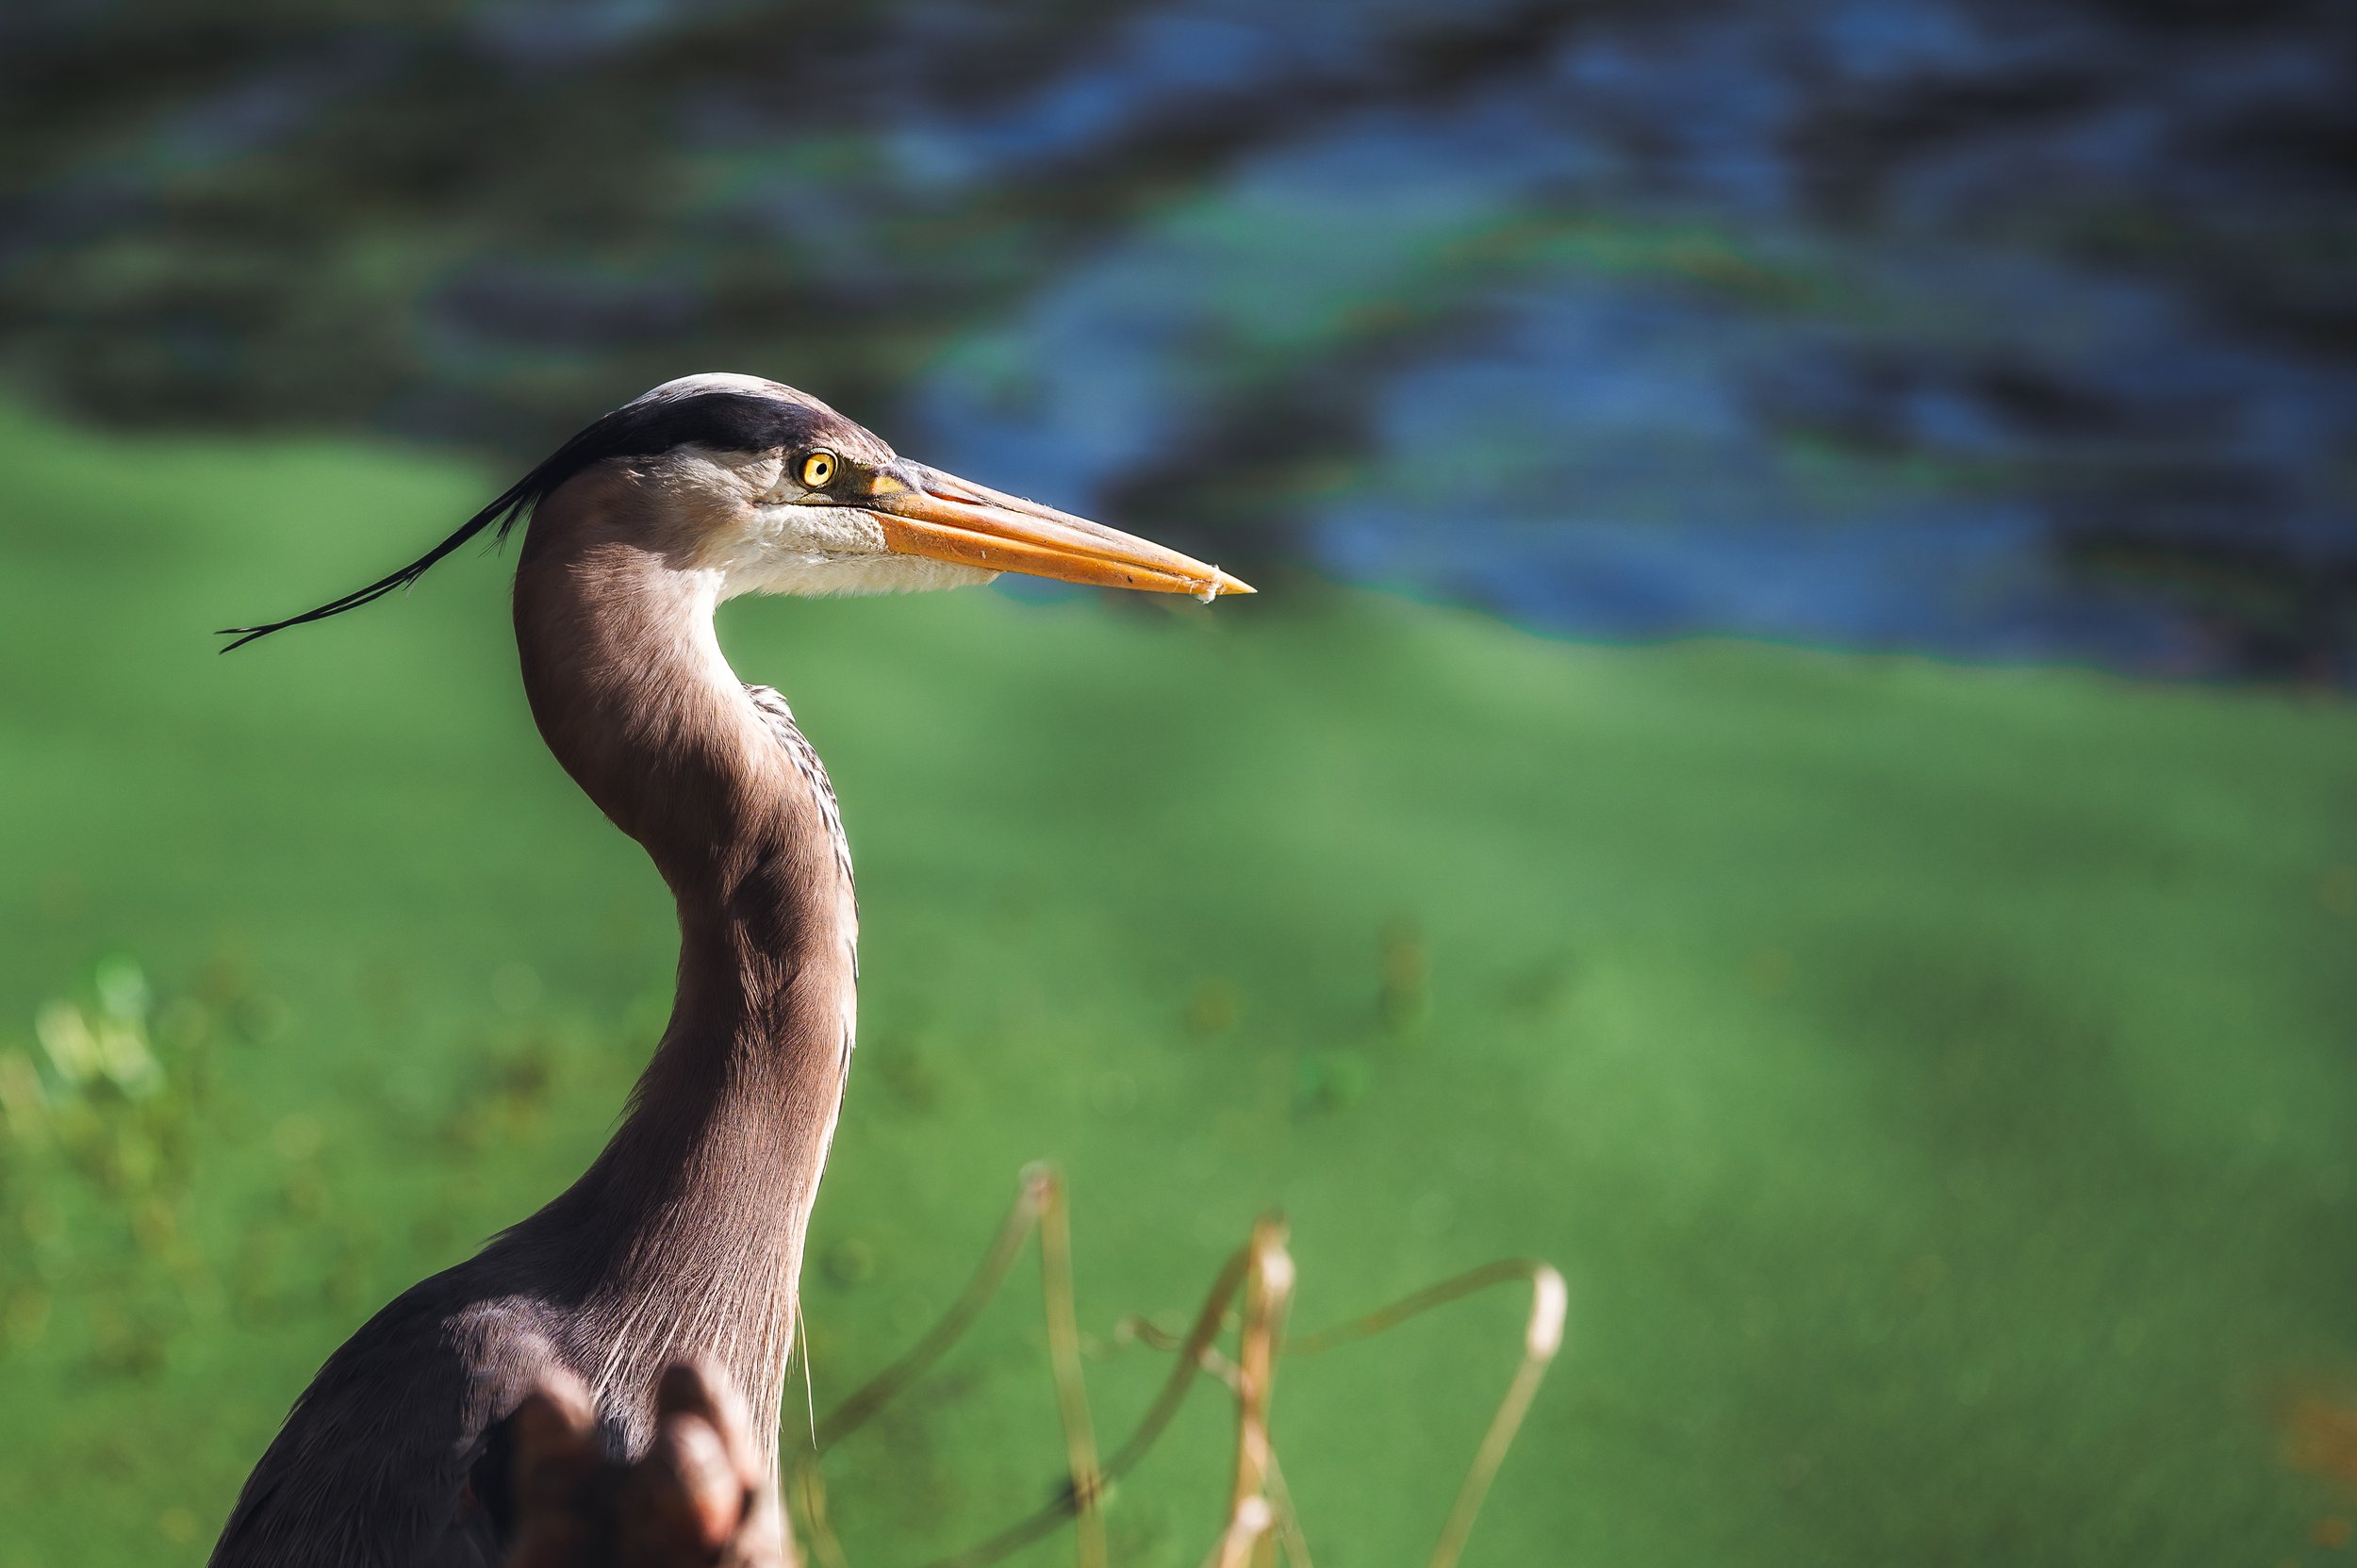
x=926, y=512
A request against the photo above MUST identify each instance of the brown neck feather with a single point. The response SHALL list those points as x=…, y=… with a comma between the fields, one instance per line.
x=686, y=1234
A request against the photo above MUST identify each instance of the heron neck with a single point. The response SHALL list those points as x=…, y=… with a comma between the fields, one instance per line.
x=687, y=1233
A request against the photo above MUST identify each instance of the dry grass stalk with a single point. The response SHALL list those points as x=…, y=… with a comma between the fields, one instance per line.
x=1260, y=1522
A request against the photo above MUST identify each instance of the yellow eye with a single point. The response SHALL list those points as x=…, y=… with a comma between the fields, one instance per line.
x=818, y=471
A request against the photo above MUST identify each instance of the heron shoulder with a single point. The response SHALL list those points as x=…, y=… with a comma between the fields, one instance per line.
x=356, y=1476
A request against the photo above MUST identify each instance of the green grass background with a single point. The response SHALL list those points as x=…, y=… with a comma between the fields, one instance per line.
x=1937, y=1084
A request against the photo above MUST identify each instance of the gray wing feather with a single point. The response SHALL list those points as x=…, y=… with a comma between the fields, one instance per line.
x=371, y=1469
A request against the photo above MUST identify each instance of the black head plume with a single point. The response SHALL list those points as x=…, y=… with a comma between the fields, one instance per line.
x=727, y=413
x=511, y=505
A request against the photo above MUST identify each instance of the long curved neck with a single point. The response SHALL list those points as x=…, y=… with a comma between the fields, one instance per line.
x=685, y=1236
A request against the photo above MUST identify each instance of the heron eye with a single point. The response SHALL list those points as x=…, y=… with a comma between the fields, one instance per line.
x=818, y=471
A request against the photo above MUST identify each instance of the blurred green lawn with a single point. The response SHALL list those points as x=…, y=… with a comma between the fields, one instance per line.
x=1937, y=1084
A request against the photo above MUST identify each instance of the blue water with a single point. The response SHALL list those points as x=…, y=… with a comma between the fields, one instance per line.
x=1883, y=395
x=1990, y=328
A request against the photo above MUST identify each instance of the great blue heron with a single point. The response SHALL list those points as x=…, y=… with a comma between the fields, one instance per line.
x=685, y=1238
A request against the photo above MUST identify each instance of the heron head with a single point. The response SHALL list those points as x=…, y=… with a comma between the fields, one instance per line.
x=783, y=495
x=778, y=494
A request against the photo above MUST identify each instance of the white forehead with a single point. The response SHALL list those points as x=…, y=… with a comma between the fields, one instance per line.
x=717, y=381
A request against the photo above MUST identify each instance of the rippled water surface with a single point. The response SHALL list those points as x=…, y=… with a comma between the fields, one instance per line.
x=2019, y=332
